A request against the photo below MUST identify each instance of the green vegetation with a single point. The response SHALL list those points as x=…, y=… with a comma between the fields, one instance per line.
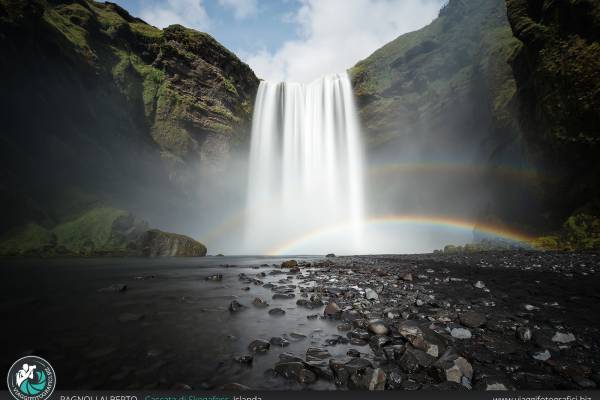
x=580, y=231
x=26, y=239
x=91, y=231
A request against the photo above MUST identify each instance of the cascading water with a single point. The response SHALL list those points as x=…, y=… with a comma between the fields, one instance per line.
x=306, y=166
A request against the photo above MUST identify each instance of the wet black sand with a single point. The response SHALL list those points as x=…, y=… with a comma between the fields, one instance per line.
x=171, y=327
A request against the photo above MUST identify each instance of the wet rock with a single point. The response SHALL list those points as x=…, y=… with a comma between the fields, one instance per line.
x=115, y=288
x=130, y=317
x=350, y=315
x=316, y=354
x=312, y=316
x=524, y=334
x=472, y=319
x=344, y=327
x=296, y=371
x=584, y=383
x=378, y=327
x=289, y=264
x=541, y=355
x=479, y=285
x=283, y=296
x=370, y=379
x=452, y=367
x=294, y=270
x=276, y=312
x=421, y=337
x=330, y=255
x=332, y=310
x=260, y=303
x=378, y=342
x=353, y=353
x=309, y=304
x=357, y=365
x=563, y=338
x=458, y=332
x=235, y=306
x=405, y=276
x=279, y=342
x=259, y=346
x=244, y=359
x=359, y=334
x=370, y=294
x=298, y=335
x=214, y=277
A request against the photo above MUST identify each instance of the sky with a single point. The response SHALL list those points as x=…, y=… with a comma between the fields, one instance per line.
x=293, y=40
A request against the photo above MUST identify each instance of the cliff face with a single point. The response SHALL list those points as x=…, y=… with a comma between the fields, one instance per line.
x=98, y=107
x=446, y=95
x=557, y=70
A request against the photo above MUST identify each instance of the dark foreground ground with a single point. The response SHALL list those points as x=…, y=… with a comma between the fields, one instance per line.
x=511, y=320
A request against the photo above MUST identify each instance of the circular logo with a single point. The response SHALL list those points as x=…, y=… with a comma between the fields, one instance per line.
x=31, y=378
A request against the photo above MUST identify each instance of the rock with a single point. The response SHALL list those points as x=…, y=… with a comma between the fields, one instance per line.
x=130, y=317
x=116, y=287
x=259, y=346
x=377, y=327
x=294, y=270
x=370, y=379
x=357, y=365
x=289, y=264
x=296, y=371
x=330, y=255
x=523, y=333
x=316, y=354
x=156, y=243
x=214, y=277
x=473, y=319
x=541, y=355
x=344, y=327
x=460, y=333
x=421, y=337
x=276, y=312
x=353, y=353
x=405, y=276
x=451, y=367
x=370, y=294
x=283, y=296
x=279, y=342
x=260, y=303
x=332, y=310
x=310, y=304
x=244, y=359
x=378, y=342
x=560, y=337
x=408, y=362
x=298, y=335
x=235, y=306
x=479, y=284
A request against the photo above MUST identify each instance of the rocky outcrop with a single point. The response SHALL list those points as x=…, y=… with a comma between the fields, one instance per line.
x=155, y=243
x=557, y=70
x=97, y=106
x=101, y=231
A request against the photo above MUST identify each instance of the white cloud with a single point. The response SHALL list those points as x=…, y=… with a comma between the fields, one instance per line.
x=190, y=13
x=241, y=8
x=335, y=34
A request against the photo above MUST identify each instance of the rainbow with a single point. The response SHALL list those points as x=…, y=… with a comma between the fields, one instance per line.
x=423, y=220
x=441, y=168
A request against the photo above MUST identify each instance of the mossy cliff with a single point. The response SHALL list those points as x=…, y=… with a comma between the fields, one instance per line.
x=557, y=70
x=516, y=82
x=98, y=107
x=447, y=92
x=101, y=231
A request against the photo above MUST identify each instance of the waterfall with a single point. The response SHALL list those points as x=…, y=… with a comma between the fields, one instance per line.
x=306, y=166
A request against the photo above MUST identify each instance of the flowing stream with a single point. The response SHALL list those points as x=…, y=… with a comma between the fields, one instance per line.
x=306, y=167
